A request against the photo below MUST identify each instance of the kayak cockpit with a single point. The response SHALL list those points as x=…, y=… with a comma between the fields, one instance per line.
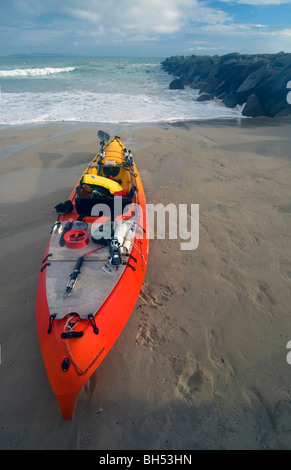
x=110, y=174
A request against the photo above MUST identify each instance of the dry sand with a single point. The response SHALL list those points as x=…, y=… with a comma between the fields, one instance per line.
x=202, y=362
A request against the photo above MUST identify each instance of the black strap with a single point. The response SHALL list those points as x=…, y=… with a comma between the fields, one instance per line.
x=91, y=319
x=131, y=257
x=129, y=265
x=52, y=318
x=44, y=266
x=45, y=259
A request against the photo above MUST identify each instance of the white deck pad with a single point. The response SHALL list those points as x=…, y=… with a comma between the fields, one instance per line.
x=93, y=285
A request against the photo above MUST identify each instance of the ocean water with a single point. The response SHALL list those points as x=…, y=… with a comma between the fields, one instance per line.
x=103, y=90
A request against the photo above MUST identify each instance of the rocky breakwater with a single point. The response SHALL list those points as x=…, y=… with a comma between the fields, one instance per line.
x=260, y=82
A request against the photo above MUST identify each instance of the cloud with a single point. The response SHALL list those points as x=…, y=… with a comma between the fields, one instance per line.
x=141, y=20
x=283, y=32
x=141, y=17
x=232, y=29
x=145, y=17
x=258, y=2
x=179, y=24
x=83, y=15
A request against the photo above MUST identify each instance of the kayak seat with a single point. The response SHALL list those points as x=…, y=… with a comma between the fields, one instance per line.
x=84, y=204
x=100, y=191
x=109, y=171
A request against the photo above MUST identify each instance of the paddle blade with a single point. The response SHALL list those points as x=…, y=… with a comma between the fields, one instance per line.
x=103, y=135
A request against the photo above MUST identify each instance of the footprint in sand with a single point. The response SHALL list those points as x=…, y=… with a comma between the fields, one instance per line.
x=148, y=334
x=265, y=295
x=194, y=383
x=213, y=340
x=156, y=326
x=157, y=297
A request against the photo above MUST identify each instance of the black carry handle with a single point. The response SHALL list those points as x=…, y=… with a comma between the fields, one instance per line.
x=72, y=334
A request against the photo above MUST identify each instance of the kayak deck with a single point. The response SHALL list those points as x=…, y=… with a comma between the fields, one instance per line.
x=93, y=286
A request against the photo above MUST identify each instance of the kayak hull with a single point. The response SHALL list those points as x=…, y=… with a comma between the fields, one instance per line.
x=71, y=361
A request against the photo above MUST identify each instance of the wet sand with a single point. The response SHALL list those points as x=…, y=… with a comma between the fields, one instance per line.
x=201, y=364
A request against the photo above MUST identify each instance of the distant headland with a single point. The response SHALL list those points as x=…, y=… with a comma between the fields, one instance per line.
x=259, y=81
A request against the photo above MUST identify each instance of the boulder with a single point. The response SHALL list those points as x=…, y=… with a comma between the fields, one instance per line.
x=253, y=79
x=253, y=107
x=205, y=97
x=177, y=84
x=230, y=100
x=259, y=80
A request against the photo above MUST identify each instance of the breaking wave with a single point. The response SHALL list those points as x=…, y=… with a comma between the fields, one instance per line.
x=34, y=71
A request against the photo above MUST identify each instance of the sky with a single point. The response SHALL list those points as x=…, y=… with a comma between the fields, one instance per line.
x=149, y=28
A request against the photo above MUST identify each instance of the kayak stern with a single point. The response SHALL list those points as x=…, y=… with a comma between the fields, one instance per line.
x=67, y=405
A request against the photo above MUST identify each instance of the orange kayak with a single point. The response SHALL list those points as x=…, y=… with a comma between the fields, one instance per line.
x=92, y=271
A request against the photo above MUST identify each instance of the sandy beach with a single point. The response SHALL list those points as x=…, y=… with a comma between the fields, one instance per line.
x=202, y=362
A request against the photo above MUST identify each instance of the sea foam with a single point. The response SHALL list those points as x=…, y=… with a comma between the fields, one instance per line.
x=28, y=107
